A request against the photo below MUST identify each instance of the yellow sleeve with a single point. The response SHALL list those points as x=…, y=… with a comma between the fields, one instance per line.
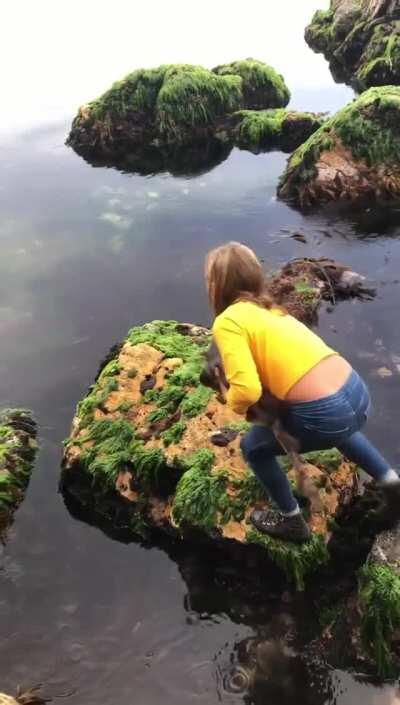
x=244, y=383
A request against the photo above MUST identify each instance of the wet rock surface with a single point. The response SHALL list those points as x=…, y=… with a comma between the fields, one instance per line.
x=361, y=41
x=167, y=456
x=17, y=452
x=172, y=105
x=354, y=156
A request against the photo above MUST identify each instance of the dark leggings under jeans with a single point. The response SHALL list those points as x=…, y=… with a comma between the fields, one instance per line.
x=334, y=421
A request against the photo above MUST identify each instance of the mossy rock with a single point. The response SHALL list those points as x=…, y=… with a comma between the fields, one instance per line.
x=262, y=86
x=172, y=104
x=17, y=452
x=361, y=41
x=362, y=631
x=265, y=130
x=355, y=155
x=379, y=604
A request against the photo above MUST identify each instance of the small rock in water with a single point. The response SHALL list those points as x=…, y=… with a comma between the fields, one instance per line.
x=147, y=383
x=223, y=437
x=384, y=372
x=299, y=237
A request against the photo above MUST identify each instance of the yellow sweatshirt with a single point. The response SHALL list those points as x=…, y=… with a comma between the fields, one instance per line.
x=266, y=348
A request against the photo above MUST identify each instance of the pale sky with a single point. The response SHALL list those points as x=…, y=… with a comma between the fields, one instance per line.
x=58, y=54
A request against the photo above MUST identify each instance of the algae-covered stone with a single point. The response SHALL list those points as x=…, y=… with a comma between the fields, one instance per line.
x=264, y=130
x=355, y=155
x=262, y=86
x=172, y=104
x=362, y=631
x=379, y=604
x=151, y=448
x=17, y=452
x=360, y=39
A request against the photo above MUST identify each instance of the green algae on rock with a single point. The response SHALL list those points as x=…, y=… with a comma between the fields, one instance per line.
x=362, y=630
x=262, y=86
x=17, y=453
x=379, y=604
x=264, y=130
x=360, y=39
x=172, y=104
x=355, y=155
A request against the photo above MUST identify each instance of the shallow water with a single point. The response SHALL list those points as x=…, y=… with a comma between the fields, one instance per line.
x=87, y=253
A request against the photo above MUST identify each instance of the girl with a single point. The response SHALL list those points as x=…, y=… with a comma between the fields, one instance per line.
x=327, y=403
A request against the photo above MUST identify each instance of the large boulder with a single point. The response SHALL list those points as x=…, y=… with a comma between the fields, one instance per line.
x=355, y=155
x=17, y=452
x=172, y=104
x=152, y=449
x=360, y=39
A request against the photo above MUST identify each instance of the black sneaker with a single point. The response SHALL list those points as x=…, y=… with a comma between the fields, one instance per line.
x=282, y=527
x=389, y=513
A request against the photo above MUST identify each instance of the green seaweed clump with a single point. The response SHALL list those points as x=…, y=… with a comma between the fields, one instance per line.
x=195, y=402
x=200, y=496
x=263, y=87
x=193, y=97
x=165, y=336
x=264, y=130
x=174, y=433
x=17, y=452
x=114, y=449
x=369, y=127
x=98, y=395
x=296, y=561
x=379, y=597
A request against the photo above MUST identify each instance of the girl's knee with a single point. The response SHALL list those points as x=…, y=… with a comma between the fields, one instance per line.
x=256, y=440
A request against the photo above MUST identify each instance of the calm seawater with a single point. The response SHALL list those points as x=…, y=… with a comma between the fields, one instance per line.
x=85, y=254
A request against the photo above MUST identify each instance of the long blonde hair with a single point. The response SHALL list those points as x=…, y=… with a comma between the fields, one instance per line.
x=234, y=273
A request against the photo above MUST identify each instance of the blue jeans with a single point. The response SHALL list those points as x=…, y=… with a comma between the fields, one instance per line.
x=334, y=421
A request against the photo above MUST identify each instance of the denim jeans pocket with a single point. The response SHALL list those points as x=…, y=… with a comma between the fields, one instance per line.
x=327, y=423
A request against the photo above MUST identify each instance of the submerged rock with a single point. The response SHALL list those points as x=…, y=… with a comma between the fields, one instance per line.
x=17, y=452
x=172, y=105
x=168, y=458
x=29, y=697
x=360, y=39
x=264, y=130
x=355, y=155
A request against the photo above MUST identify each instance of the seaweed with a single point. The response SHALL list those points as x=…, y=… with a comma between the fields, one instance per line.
x=200, y=496
x=164, y=336
x=174, y=433
x=379, y=598
x=18, y=447
x=263, y=87
x=196, y=402
x=262, y=130
x=296, y=561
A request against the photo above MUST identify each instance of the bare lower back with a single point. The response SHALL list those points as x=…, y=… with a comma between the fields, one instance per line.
x=326, y=378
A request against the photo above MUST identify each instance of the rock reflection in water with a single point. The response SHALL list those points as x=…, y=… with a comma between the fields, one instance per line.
x=267, y=669
x=186, y=161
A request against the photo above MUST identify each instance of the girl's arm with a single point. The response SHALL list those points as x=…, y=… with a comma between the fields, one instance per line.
x=244, y=383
